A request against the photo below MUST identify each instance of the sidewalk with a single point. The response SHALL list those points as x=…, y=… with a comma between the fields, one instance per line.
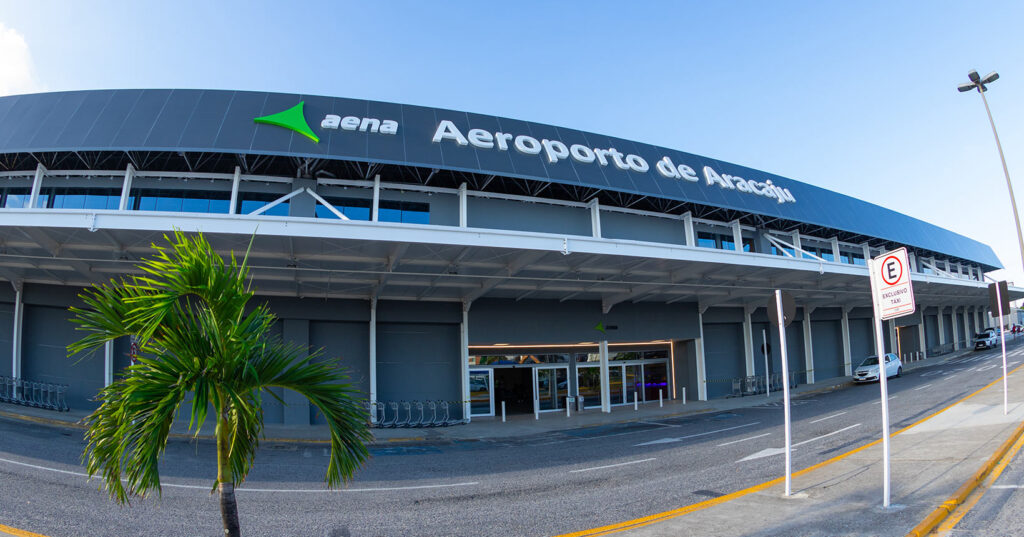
x=930, y=460
x=487, y=427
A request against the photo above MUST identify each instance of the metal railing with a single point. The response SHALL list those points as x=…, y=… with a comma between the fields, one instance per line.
x=757, y=384
x=33, y=394
x=434, y=413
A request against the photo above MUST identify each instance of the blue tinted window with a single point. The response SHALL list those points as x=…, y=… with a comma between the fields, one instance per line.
x=415, y=217
x=706, y=240
x=827, y=256
x=858, y=259
x=15, y=201
x=357, y=213
x=352, y=208
x=195, y=205
x=389, y=215
x=253, y=201
x=164, y=203
x=727, y=243
x=189, y=201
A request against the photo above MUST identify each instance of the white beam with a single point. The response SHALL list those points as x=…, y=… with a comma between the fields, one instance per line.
x=108, y=363
x=464, y=368
x=847, y=358
x=836, y=258
x=235, y=180
x=373, y=360
x=808, y=345
x=922, y=342
x=748, y=340
x=595, y=218
x=37, y=183
x=375, y=213
x=606, y=402
x=688, y=229
x=942, y=325
x=463, y=214
x=702, y=375
x=126, y=188
x=737, y=235
x=956, y=333
x=19, y=314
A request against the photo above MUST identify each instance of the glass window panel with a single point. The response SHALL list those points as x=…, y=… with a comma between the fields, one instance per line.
x=147, y=203
x=827, y=256
x=415, y=217
x=16, y=201
x=93, y=201
x=357, y=213
x=70, y=201
x=220, y=206
x=480, y=392
x=727, y=243
x=633, y=383
x=615, y=385
x=589, y=382
x=655, y=379
x=389, y=215
x=324, y=212
x=748, y=245
x=706, y=240
x=195, y=205
x=277, y=210
x=164, y=203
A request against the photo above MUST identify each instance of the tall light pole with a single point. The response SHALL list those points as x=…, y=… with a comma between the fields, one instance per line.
x=979, y=84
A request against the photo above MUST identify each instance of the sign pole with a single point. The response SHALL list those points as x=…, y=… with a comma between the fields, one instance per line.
x=1002, y=340
x=767, y=376
x=785, y=391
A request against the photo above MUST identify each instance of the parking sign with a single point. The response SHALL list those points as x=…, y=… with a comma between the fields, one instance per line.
x=890, y=285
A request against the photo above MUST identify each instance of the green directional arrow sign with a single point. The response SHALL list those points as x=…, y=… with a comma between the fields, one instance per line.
x=292, y=119
x=600, y=328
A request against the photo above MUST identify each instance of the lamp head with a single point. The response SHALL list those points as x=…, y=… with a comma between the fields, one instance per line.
x=990, y=78
x=973, y=75
x=965, y=87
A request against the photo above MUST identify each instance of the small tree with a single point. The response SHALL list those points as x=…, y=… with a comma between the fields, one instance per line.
x=189, y=314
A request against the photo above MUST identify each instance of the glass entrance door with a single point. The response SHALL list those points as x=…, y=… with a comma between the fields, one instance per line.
x=481, y=392
x=551, y=387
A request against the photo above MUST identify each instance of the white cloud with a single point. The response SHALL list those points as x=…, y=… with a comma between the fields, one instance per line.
x=16, y=72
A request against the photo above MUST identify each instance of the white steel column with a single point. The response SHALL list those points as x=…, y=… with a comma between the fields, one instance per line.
x=967, y=330
x=737, y=236
x=894, y=344
x=37, y=183
x=688, y=229
x=233, y=209
x=835, y=251
x=702, y=375
x=373, y=356
x=375, y=216
x=748, y=340
x=19, y=311
x=108, y=363
x=942, y=326
x=126, y=187
x=921, y=340
x=956, y=334
x=606, y=392
x=866, y=250
x=797, y=246
x=463, y=215
x=845, y=326
x=808, y=346
x=464, y=368
x=595, y=217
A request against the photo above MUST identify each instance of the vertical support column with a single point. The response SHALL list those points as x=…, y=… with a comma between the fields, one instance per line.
x=373, y=357
x=894, y=344
x=956, y=334
x=595, y=217
x=702, y=372
x=967, y=329
x=737, y=235
x=835, y=250
x=808, y=346
x=464, y=367
x=126, y=187
x=748, y=340
x=942, y=326
x=235, y=181
x=19, y=314
x=37, y=183
x=845, y=327
x=688, y=229
x=921, y=340
x=374, y=216
x=867, y=251
x=797, y=246
x=912, y=259
x=463, y=215
x=606, y=395
x=108, y=363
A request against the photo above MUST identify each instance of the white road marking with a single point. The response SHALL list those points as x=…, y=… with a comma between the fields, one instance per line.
x=660, y=424
x=828, y=417
x=680, y=438
x=879, y=402
x=743, y=440
x=247, y=489
x=922, y=387
x=1007, y=487
x=611, y=465
x=777, y=451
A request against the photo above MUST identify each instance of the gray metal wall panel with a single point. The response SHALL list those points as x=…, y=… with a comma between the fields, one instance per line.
x=862, y=341
x=960, y=327
x=931, y=331
x=296, y=409
x=6, y=334
x=542, y=321
x=396, y=311
x=947, y=328
x=827, y=343
x=761, y=333
x=46, y=333
x=642, y=228
x=723, y=315
x=723, y=356
x=348, y=344
x=418, y=361
x=515, y=215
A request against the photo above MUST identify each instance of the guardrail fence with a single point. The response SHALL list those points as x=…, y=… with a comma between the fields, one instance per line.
x=33, y=394
x=391, y=414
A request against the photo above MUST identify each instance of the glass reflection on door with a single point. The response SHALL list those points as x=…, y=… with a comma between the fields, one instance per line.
x=589, y=382
x=633, y=382
x=615, y=385
x=655, y=380
x=551, y=386
x=481, y=402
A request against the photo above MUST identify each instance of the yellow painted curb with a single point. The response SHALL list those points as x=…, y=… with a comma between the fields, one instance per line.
x=19, y=533
x=667, y=515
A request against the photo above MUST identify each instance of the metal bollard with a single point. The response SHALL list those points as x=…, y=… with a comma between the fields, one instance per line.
x=536, y=409
x=661, y=402
x=568, y=407
x=684, y=395
x=503, y=411
x=635, y=407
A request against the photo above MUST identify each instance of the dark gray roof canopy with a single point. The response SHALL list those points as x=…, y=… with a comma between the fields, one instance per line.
x=221, y=122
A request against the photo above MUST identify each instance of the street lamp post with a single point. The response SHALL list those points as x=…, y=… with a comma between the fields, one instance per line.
x=979, y=84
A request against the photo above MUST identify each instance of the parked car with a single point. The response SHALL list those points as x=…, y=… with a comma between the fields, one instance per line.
x=867, y=371
x=986, y=339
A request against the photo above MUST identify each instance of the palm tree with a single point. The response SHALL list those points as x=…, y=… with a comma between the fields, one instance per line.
x=199, y=336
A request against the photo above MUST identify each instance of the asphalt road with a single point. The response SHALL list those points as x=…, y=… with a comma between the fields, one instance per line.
x=529, y=486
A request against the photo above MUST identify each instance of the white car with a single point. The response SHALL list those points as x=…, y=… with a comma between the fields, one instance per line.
x=986, y=339
x=867, y=371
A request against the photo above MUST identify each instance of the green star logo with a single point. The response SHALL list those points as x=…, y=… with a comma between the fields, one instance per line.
x=291, y=119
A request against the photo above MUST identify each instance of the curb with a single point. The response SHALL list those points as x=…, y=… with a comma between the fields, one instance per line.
x=932, y=521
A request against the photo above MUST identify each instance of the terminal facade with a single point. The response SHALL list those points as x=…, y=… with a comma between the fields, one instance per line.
x=444, y=255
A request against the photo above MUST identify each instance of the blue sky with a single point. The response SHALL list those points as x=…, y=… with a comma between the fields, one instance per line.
x=857, y=97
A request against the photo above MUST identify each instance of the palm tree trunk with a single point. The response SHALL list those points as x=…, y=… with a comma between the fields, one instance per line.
x=228, y=507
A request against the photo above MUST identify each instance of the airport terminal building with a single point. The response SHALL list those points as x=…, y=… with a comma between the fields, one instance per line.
x=446, y=255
